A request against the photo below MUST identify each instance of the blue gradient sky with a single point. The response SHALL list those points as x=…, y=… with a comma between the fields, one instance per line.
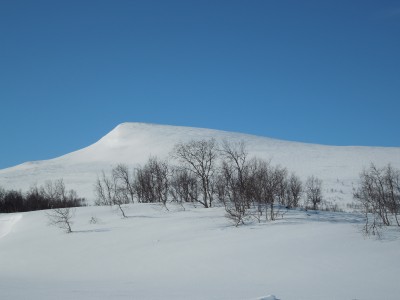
x=323, y=72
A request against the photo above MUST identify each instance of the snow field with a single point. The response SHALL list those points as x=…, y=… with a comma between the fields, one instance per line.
x=195, y=254
x=7, y=222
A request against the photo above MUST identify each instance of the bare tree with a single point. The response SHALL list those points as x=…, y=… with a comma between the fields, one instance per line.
x=55, y=190
x=183, y=186
x=124, y=182
x=119, y=201
x=281, y=185
x=379, y=195
x=232, y=182
x=105, y=190
x=314, y=191
x=235, y=168
x=159, y=171
x=228, y=192
x=58, y=196
x=109, y=193
x=199, y=158
x=61, y=218
x=294, y=191
x=151, y=181
x=275, y=189
x=370, y=195
x=391, y=179
x=266, y=183
x=236, y=155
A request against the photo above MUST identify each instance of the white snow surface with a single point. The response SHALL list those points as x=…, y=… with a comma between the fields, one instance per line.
x=133, y=143
x=269, y=297
x=195, y=254
x=7, y=223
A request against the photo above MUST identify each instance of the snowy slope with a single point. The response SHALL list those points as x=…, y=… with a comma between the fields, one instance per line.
x=133, y=143
x=195, y=254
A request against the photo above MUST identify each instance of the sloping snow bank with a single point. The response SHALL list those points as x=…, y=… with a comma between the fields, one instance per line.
x=7, y=222
x=196, y=254
x=269, y=297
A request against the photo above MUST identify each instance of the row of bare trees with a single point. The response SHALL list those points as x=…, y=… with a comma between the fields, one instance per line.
x=254, y=188
x=53, y=194
x=203, y=172
x=379, y=196
x=147, y=184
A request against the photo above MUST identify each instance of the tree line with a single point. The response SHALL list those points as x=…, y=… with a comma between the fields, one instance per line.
x=53, y=194
x=205, y=172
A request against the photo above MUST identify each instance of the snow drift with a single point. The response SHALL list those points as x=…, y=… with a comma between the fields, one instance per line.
x=195, y=254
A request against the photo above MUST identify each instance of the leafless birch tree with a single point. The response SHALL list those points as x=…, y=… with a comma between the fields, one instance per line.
x=199, y=157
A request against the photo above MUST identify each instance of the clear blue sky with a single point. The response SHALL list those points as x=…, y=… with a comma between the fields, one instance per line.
x=323, y=72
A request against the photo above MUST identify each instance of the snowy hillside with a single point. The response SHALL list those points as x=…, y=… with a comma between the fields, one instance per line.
x=194, y=254
x=133, y=143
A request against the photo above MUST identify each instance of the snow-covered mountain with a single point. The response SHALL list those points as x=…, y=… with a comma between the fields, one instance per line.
x=196, y=253
x=133, y=143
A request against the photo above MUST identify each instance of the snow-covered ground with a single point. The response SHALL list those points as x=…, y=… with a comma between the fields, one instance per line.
x=195, y=254
x=133, y=143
